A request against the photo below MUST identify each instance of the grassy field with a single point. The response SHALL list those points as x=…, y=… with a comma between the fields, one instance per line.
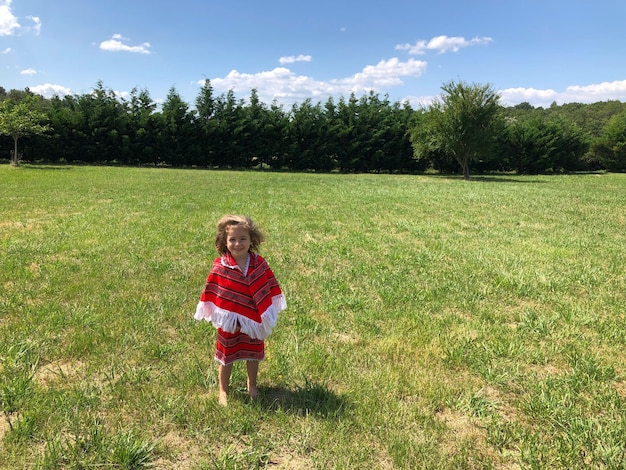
x=431, y=322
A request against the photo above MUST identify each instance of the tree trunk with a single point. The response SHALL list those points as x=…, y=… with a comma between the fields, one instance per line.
x=465, y=166
x=15, y=161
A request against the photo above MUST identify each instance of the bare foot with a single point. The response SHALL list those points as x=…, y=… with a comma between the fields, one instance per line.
x=223, y=398
x=253, y=391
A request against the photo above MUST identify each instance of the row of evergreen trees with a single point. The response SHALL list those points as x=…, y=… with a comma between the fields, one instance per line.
x=366, y=134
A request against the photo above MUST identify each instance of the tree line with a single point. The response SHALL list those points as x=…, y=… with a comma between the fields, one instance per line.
x=465, y=128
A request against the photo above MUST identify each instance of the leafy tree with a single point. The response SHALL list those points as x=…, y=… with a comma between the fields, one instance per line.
x=21, y=119
x=610, y=148
x=427, y=151
x=593, y=117
x=463, y=123
x=351, y=135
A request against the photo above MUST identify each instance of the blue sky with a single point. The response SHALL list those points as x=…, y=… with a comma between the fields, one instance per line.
x=536, y=51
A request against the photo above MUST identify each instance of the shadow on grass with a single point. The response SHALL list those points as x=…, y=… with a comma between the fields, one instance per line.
x=34, y=166
x=495, y=179
x=311, y=398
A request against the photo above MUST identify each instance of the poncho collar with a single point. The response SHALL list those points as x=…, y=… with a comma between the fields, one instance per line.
x=229, y=262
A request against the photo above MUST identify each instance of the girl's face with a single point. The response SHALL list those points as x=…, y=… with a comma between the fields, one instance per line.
x=237, y=241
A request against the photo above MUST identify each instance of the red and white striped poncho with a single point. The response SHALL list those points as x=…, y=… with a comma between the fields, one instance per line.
x=231, y=300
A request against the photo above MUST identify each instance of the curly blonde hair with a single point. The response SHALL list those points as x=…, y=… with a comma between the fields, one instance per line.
x=256, y=236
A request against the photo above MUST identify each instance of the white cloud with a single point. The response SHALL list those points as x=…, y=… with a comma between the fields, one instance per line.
x=292, y=59
x=8, y=22
x=419, y=101
x=544, y=98
x=115, y=44
x=49, y=90
x=6, y=51
x=30, y=71
x=511, y=96
x=280, y=83
x=121, y=94
x=599, y=92
x=285, y=86
x=384, y=74
x=37, y=21
x=442, y=44
x=594, y=93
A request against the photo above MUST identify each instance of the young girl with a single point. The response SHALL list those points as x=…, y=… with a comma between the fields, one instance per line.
x=241, y=298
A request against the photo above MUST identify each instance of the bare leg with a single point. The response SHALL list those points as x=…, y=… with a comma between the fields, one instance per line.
x=224, y=379
x=253, y=371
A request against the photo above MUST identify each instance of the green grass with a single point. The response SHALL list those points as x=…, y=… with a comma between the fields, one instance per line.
x=431, y=322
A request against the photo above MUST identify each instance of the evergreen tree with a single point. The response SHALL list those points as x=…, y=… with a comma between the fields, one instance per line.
x=176, y=131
